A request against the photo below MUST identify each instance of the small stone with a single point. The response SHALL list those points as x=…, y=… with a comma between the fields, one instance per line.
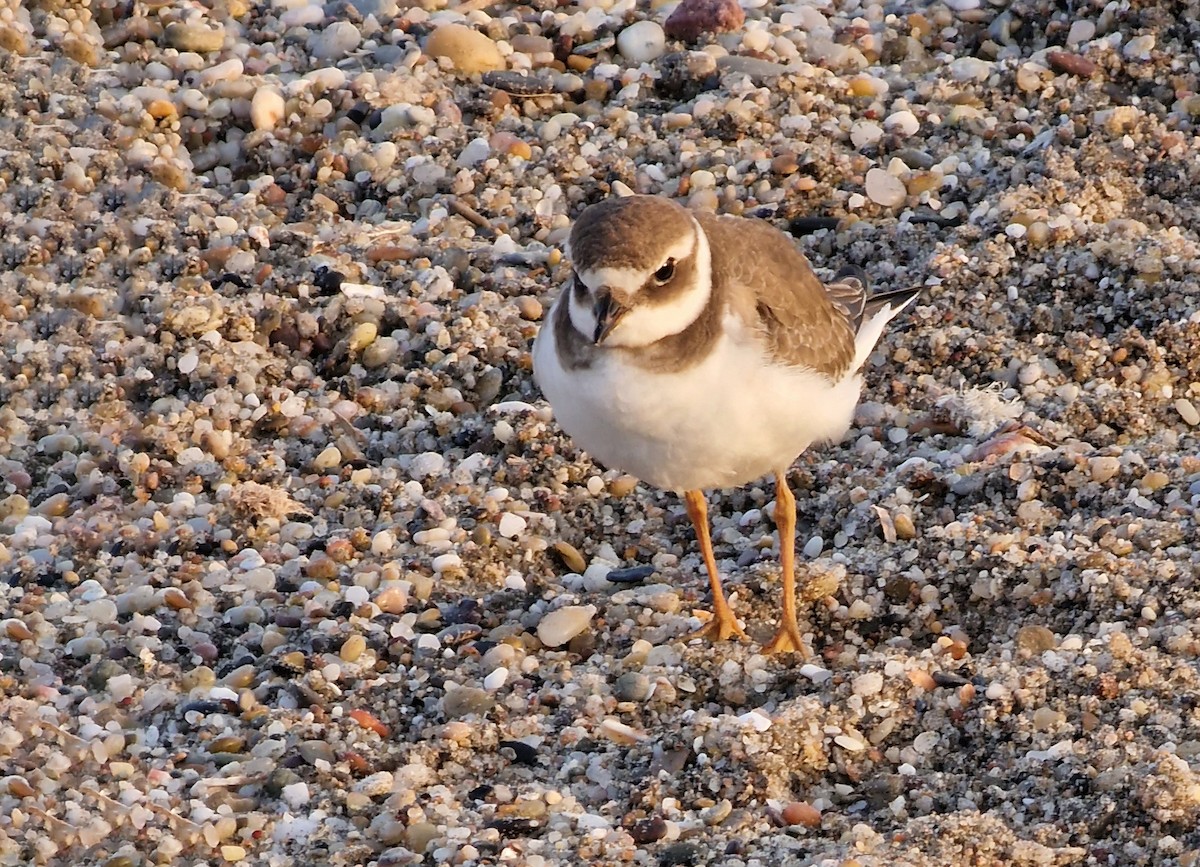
x=1081, y=31
x=328, y=459
x=692, y=18
x=642, y=42
x=468, y=51
x=561, y=625
x=1070, y=63
x=649, y=830
x=392, y=599
x=868, y=684
x=1139, y=47
x=885, y=189
x=335, y=41
x=865, y=133
x=427, y=464
x=200, y=38
x=571, y=557
x=267, y=108
x=352, y=648
x=420, y=835
x=529, y=308
x=632, y=686
x=1104, y=468
x=476, y=151
x=1035, y=639
x=902, y=123
x=511, y=525
x=495, y=679
x=466, y=700
x=717, y=813
x=801, y=813
x=1187, y=411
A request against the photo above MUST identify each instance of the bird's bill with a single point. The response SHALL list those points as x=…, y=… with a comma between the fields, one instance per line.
x=608, y=313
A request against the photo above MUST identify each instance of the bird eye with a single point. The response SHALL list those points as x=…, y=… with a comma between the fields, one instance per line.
x=666, y=272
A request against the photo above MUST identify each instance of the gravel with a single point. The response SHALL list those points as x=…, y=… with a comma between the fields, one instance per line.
x=297, y=568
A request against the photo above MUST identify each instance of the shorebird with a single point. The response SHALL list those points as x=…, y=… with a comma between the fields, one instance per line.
x=695, y=351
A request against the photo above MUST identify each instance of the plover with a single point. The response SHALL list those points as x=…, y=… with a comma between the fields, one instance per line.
x=694, y=351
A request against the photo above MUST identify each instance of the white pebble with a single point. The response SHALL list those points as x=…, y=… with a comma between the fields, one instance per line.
x=476, y=151
x=814, y=546
x=885, y=189
x=867, y=684
x=189, y=362
x=1081, y=31
x=642, y=42
x=1015, y=231
x=335, y=41
x=1187, y=411
x=903, y=122
x=1139, y=47
x=496, y=679
x=560, y=626
x=815, y=673
x=757, y=39
x=511, y=525
x=446, y=562
x=267, y=108
x=383, y=541
x=970, y=69
x=295, y=795
x=426, y=464
x=865, y=133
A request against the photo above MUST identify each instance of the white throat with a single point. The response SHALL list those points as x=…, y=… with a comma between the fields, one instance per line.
x=645, y=324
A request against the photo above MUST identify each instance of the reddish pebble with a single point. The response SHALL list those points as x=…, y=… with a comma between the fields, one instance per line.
x=368, y=720
x=1073, y=64
x=802, y=813
x=695, y=17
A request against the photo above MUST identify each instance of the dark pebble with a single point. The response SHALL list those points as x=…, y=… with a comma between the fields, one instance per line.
x=682, y=854
x=522, y=752
x=630, y=575
x=648, y=830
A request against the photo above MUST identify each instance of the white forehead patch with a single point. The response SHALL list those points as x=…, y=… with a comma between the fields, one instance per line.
x=624, y=280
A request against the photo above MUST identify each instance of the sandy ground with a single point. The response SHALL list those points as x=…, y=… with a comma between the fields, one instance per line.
x=297, y=568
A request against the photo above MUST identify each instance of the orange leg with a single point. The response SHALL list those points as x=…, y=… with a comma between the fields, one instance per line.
x=788, y=637
x=723, y=625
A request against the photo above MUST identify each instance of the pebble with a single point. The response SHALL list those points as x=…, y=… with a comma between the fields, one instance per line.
x=642, y=42
x=200, y=38
x=903, y=123
x=468, y=50
x=801, y=813
x=885, y=189
x=466, y=700
x=865, y=133
x=561, y=625
x=267, y=109
x=1104, y=468
x=632, y=686
x=693, y=18
x=335, y=41
x=1187, y=411
x=511, y=525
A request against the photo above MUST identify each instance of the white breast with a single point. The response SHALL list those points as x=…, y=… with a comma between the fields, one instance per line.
x=724, y=422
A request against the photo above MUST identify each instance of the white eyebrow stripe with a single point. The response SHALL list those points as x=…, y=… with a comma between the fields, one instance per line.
x=626, y=280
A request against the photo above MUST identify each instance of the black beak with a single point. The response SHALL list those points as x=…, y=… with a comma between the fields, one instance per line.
x=608, y=313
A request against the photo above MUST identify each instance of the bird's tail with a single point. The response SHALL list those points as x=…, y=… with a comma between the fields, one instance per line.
x=878, y=311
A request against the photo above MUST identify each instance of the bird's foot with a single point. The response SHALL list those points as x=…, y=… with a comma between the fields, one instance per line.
x=722, y=627
x=788, y=640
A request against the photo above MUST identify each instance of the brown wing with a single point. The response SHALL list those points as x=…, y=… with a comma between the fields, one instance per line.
x=780, y=294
